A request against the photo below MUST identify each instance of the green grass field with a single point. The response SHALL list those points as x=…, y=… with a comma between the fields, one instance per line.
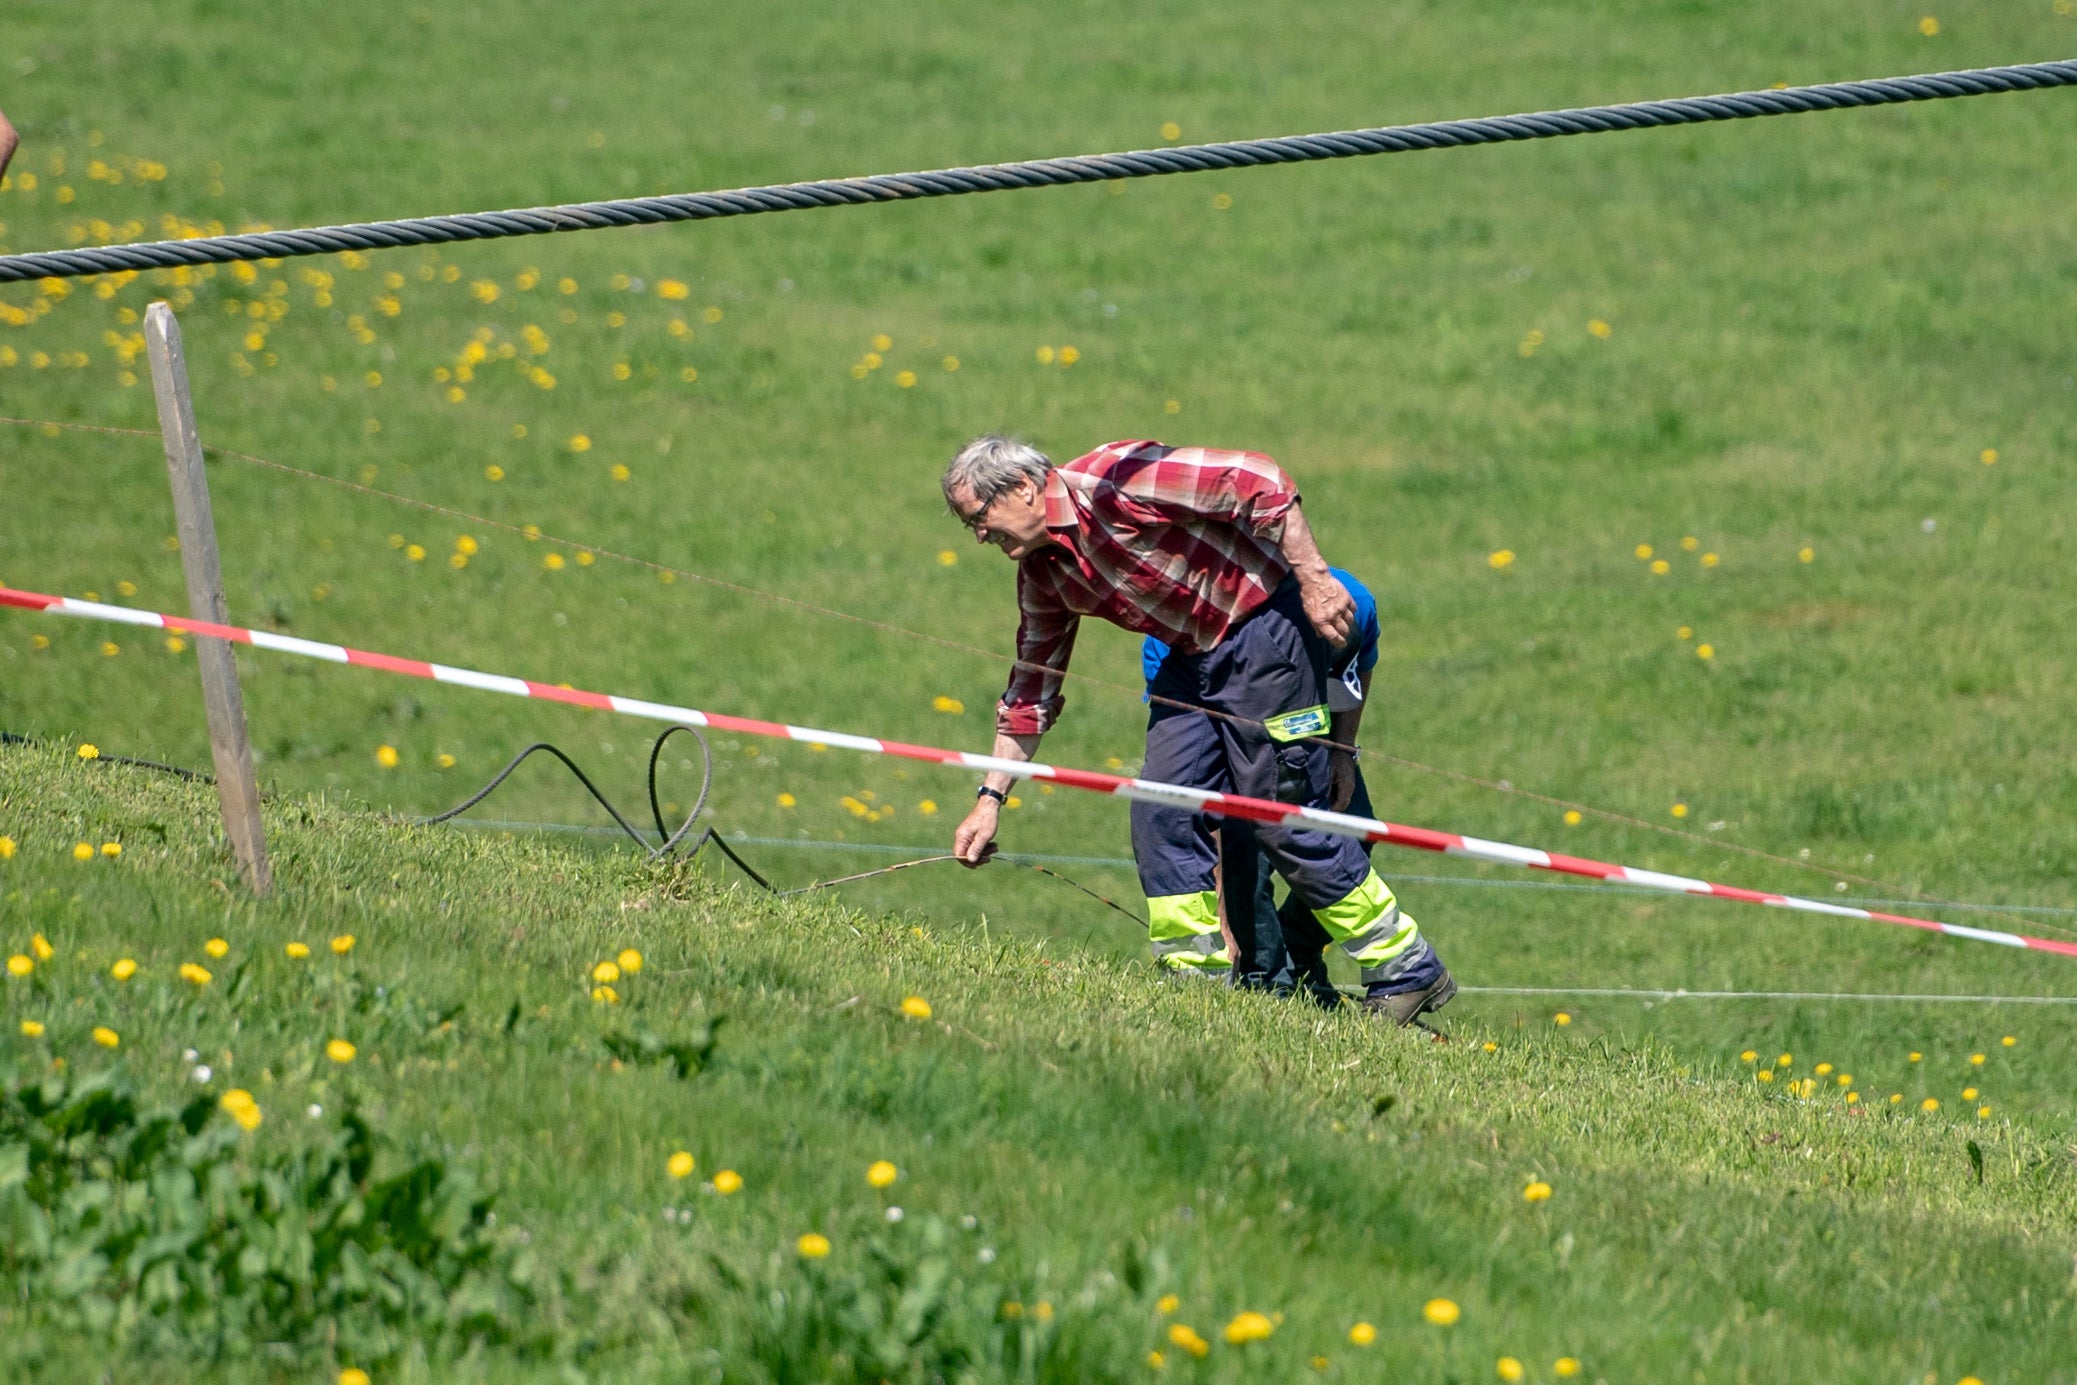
x=1837, y=336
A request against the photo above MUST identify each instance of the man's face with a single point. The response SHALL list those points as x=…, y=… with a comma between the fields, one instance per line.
x=1014, y=520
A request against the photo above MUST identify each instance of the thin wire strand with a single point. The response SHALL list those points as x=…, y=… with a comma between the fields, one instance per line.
x=1641, y=994
x=534, y=533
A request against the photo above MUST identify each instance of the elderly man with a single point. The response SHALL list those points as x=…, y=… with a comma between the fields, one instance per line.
x=1210, y=552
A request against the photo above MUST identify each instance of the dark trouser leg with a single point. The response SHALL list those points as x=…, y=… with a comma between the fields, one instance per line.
x=1173, y=846
x=1274, y=666
x=1248, y=884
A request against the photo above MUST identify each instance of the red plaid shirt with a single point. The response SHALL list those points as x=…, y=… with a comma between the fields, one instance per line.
x=1181, y=543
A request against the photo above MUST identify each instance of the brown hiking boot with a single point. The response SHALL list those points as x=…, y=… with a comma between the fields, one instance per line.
x=1403, y=1009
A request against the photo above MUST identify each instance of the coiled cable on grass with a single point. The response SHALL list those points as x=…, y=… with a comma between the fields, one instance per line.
x=1037, y=173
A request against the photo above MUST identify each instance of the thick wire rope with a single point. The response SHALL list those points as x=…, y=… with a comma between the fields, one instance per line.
x=534, y=533
x=1086, y=168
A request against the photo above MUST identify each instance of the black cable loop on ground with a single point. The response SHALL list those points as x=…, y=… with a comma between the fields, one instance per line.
x=1086, y=168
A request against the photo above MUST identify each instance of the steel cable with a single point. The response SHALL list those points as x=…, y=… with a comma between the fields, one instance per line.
x=1037, y=173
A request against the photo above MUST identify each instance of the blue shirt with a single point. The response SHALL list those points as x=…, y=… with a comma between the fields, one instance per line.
x=1344, y=669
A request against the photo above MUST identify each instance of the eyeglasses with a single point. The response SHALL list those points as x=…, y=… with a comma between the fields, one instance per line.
x=978, y=520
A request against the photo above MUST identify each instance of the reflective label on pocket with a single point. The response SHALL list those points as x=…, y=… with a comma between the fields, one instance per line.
x=1296, y=726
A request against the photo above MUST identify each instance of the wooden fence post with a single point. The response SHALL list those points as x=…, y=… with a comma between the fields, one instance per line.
x=229, y=744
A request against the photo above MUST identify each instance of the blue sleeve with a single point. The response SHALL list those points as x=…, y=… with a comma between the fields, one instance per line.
x=1150, y=656
x=1367, y=630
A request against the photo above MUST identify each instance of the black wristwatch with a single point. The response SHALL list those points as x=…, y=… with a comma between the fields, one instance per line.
x=997, y=794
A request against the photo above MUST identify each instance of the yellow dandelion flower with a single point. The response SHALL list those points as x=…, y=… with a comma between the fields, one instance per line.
x=710, y=315
x=1983, y=1113
x=928, y=808
x=605, y=995
x=1988, y=456
x=1766, y=1074
x=1184, y=1336
x=40, y=945
x=1561, y=1018
x=580, y=442
x=240, y=1106
x=1929, y=26
x=340, y=1051
x=1362, y=1334
x=1539, y=1191
x=951, y=706
x=1660, y=567
x=881, y=1174
x=1507, y=1368
x=1931, y=1103
x=1490, y=1047
x=175, y=644
x=1167, y=1304
x=1044, y=355
x=89, y=752
x=1572, y=817
x=916, y=1007
x=443, y=759
x=883, y=342
x=1689, y=543
x=566, y=287
x=494, y=473
x=812, y=1246
x=553, y=562
x=585, y=559
x=296, y=951
x=353, y=1375
x=1170, y=130
x=1068, y=355
x=1501, y=558
x=343, y=944
x=7, y=848
x=1684, y=633
x=217, y=947
x=1156, y=1361
x=1172, y=406
x=1600, y=329
x=1748, y=1056
x=103, y=1035
x=1248, y=1327
x=415, y=552
x=787, y=800
x=83, y=851
x=606, y=972
x=1913, y=1057
x=630, y=961
x=680, y=1165
x=728, y=1182
x=20, y=964
x=386, y=756
x=950, y=363
x=671, y=289
x=32, y=1029
x=1222, y=201
x=195, y=974
x=906, y=379
x=1566, y=1366
x=1705, y=651
x=1806, y=555
x=124, y=968
x=1976, y=1059
x=1895, y=1098
x=619, y=471
x=1643, y=551
x=1441, y=1311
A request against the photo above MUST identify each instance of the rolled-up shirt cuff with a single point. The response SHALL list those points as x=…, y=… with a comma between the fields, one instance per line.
x=1028, y=718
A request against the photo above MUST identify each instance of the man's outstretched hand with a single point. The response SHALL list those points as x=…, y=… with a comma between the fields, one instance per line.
x=974, y=842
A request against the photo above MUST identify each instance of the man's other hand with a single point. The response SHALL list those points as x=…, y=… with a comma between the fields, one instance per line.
x=1341, y=779
x=974, y=842
x=1330, y=609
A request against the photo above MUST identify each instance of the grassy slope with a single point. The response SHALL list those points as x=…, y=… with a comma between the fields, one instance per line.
x=1084, y=1114
x=1818, y=324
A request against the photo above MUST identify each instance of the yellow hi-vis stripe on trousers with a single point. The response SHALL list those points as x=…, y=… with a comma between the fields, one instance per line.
x=1368, y=925
x=1184, y=930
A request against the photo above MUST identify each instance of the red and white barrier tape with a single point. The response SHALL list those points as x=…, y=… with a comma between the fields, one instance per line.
x=1144, y=790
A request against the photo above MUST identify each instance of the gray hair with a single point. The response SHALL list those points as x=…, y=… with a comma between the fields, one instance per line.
x=990, y=465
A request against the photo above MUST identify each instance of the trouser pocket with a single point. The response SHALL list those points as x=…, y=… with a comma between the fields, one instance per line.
x=1294, y=774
